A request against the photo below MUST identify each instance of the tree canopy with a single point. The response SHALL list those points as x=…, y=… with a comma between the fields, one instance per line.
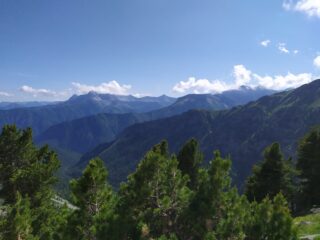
x=167, y=197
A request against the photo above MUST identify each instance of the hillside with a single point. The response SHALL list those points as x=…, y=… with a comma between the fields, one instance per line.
x=81, y=135
x=308, y=226
x=243, y=131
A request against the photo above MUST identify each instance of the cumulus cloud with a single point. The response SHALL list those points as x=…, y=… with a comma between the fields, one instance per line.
x=200, y=86
x=295, y=51
x=112, y=87
x=282, y=82
x=44, y=93
x=282, y=48
x=316, y=62
x=38, y=92
x=243, y=76
x=5, y=94
x=309, y=7
x=265, y=43
x=277, y=82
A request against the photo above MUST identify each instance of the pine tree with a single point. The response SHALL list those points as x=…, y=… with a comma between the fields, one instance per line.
x=24, y=168
x=189, y=159
x=234, y=216
x=309, y=166
x=95, y=201
x=17, y=224
x=208, y=204
x=156, y=195
x=270, y=220
x=30, y=171
x=272, y=176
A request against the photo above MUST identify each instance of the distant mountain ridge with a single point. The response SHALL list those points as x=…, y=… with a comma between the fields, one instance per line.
x=242, y=131
x=221, y=101
x=82, y=135
x=108, y=99
x=42, y=117
x=14, y=105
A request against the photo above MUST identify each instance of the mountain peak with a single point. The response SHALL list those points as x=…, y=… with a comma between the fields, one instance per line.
x=93, y=93
x=245, y=87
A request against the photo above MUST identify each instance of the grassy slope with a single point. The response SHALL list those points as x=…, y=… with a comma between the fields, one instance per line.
x=308, y=225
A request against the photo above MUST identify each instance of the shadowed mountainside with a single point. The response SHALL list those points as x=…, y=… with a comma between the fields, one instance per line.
x=242, y=131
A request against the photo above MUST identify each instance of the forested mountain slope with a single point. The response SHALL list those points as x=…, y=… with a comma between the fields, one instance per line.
x=243, y=132
x=81, y=135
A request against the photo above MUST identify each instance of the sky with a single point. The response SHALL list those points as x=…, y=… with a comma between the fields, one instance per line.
x=50, y=50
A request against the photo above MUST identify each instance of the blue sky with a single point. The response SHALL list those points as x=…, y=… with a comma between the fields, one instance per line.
x=52, y=49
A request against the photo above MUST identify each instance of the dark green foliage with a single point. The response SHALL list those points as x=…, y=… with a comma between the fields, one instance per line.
x=156, y=202
x=214, y=182
x=24, y=168
x=27, y=176
x=216, y=207
x=233, y=221
x=189, y=159
x=309, y=166
x=94, y=199
x=155, y=196
x=272, y=176
x=17, y=225
x=270, y=220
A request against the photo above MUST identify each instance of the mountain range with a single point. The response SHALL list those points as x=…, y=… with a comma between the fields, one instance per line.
x=14, y=105
x=243, y=132
x=74, y=138
x=100, y=124
x=42, y=117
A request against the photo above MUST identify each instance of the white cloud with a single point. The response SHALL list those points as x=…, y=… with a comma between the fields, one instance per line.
x=282, y=48
x=141, y=95
x=309, y=7
x=38, y=92
x=316, y=61
x=200, y=86
x=112, y=87
x=243, y=76
x=44, y=93
x=5, y=94
x=265, y=43
x=280, y=82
